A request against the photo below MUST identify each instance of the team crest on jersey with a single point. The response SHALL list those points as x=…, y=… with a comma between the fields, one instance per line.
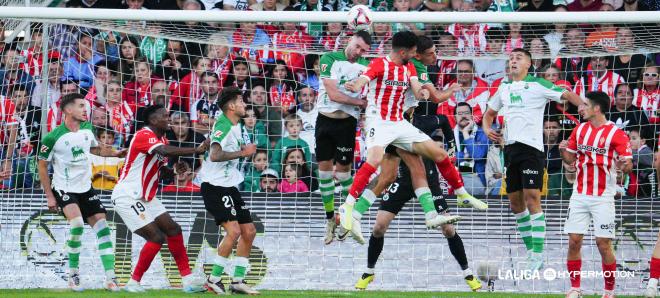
x=152, y=140
x=44, y=149
x=324, y=67
x=601, y=141
x=424, y=77
x=217, y=133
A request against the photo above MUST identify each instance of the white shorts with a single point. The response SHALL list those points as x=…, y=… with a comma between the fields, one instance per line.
x=401, y=134
x=583, y=210
x=136, y=213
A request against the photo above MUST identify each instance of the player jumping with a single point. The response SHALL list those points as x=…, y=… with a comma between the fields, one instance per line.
x=135, y=198
x=68, y=147
x=220, y=180
x=598, y=149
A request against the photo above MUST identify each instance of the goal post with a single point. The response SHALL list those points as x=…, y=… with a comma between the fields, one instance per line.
x=124, y=60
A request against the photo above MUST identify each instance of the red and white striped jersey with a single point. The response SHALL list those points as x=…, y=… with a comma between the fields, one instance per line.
x=649, y=102
x=387, y=87
x=597, y=150
x=140, y=174
x=7, y=111
x=471, y=38
x=606, y=84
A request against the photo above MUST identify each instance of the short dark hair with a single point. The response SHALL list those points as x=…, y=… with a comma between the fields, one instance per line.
x=19, y=87
x=69, y=81
x=70, y=99
x=366, y=37
x=495, y=34
x=630, y=87
x=467, y=61
x=462, y=104
x=149, y=111
x=424, y=43
x=228, y=94
x=601, y=99
x=521, y=50
x=404, y=40
x=210, y=74
x=102, y=130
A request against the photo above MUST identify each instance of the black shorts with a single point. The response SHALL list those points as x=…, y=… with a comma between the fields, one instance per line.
x=401, y=191
x=524, y=167
x=335, y=139
x=88, y=202
x=225, y=204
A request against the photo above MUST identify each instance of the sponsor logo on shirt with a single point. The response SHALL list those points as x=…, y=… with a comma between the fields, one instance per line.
x=396, y=83
x=588, y=148
x=217, y=133
x=530, y=172
x=44, y=148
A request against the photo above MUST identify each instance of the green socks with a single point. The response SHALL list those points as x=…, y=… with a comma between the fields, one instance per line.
x=73, y=245
x=524, y=224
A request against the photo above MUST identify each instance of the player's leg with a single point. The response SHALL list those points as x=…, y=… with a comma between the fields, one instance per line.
x=222, y=261
x=576, y=225
x=388, y=172
x=76, y=227
x=427, y=148
x=362, y=177
x=531, y=170
x=654, y=274
x=248, y=233
x=93, y=211
x=325, y=155
x=376, y=243
x=155, y=239
x=603, y=216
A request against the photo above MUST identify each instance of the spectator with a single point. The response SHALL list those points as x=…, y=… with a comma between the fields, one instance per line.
x=54, y=115
x=630, y=67
x=291, y=182
x=104, y=4
x=189, y=90
x=32, y=56
x=404, y=6
x=538, y=48
x=312, y=74
x=135, y=4
x=634, y=5
x=237, y=4
x=332, y=37
x=647, y=94
x=254, y=128
x=268, y=182
x=296, y=155
x=503, y=6
x=153, y=48
x=585, y=5
x=574, y=67
x=445, y=71
x=538, y=5
x=281, y=87
x=183, y=180
x=105, y=170
x=247, y=39
x=256, y=167
x=182, y=135
x=175, y=65
x=102, y=74
x=625, y=115
x=642, y=165
x=472, y=148
x=137, y=93
x=120, y=115
x=565, y=112
x=382, y=33
x=313, y=29
x=11, y=72
x=600, y=78
x=25, y=136
x=293, y=124
x=514, y=40
x=473, y=91
x=308, y=112
x=220, y=58
x=267, y=5
x=49, y=86
x=555, y=38
x=494, y=171
x=99, y=117
x=557, y=184
x=106, y=45
x=270, y=116
x=128, y=56
x=490, y=70
x=160, y=89
x=206, y=109
x=471, y=38
x=289, y=42
x=239, y=76
x=604, y=36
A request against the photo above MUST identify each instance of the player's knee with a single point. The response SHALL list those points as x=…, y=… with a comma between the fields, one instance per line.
x=173, y=229
x=157, y=237
x=604, y=244
x=379, y=230
x=439, y=154
x=448, y=230
x=387, y=178
x=249, y=232
x=574, y=244
x=232, y=232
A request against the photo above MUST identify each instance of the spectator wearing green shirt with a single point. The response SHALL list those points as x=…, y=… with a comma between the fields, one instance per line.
x=254, y=128
x=255, y=168
x=293, y=125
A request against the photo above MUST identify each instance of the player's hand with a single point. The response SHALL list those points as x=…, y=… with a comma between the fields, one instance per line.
x=52, y=203
x=621, y=163
x=361, y=102
x=455, y=87
x=563, y=145
x=248, y=150
x=493, y=135
x=121, y=153
x=424, y=94
x=351, y=86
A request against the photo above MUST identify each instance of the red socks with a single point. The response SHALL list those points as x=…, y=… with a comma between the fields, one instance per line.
x=574, y=269
x=175, y=244
x=450, y=173
x=655, y=268
x=609, y=277
x=361, y=180
x=147, y=254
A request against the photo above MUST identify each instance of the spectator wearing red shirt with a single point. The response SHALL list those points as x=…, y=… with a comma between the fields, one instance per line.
x=252, y=43
x=281, y=87
x=220, y=58
x=289, y=42
x=120, y=113
x=189, y=89
x=8, y=135
x=137, y=92
x=182, y=179
x=54, y=115
x=599, y=78
x=332, y=36
x=585, y=5
x=647, y=94
x=473, y=90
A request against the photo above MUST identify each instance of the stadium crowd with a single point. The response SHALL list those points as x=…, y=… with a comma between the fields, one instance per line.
x=121, y=74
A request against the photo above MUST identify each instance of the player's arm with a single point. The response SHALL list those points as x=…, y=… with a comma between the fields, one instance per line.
x=357, y=84
x=107, y=151
x=167, y=150
x=622, y=148
x=487, y=124
x=568, y=148
x=218, y=155
x=337, y=96
x=45, y=184
x=572, y=97
x=439, y=96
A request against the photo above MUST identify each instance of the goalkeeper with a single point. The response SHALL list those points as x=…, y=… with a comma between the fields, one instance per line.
x=400, y=192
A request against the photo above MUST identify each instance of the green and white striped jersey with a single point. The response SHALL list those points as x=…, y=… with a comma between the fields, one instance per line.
x=224, y=173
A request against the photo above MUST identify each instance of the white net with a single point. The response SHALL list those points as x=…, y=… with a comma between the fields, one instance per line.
x=123, y=66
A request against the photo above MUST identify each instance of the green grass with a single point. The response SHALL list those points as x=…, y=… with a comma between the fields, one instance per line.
x=173, y=293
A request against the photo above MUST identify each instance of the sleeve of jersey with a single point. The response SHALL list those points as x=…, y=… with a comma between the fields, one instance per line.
x=423, y=75
x=93, y=142
x=495, y=102
x=219, y=133
x=47, y=144
x=413, y=70
x=551, y=91
x=622, y=144
x=374, y=69
x=146, y=141
x=325, y=64
x=572, y=141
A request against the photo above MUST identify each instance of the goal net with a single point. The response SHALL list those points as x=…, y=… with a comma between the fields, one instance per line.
x=124, y=63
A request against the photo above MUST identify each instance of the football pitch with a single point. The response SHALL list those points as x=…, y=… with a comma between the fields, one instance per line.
x=366, y=294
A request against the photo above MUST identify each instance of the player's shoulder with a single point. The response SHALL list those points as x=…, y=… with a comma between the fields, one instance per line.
x=542, y=83
x=334, y=56
x=221, y=128
x=56, y=133
x=144, y=133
